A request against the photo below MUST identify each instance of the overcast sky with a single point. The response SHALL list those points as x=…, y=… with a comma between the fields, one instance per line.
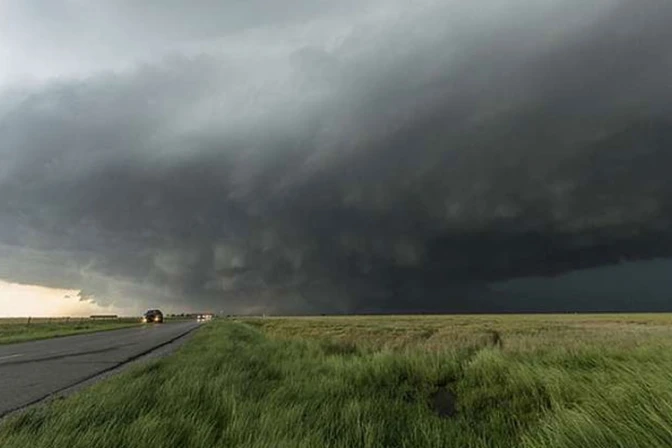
x=321, y=156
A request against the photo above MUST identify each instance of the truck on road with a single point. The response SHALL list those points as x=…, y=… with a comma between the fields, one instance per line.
x=155, y=316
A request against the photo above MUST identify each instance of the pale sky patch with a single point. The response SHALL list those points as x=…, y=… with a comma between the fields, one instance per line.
x=18, y=300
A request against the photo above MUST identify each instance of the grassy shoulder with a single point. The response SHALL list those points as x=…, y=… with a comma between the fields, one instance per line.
x=21, y=330
x=263, y=384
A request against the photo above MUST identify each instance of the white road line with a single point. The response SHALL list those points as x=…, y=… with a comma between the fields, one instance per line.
x=10, y=356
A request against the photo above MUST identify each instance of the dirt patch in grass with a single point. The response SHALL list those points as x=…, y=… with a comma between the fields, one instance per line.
x=495, y=339
x=339, y=348
x=444, y=402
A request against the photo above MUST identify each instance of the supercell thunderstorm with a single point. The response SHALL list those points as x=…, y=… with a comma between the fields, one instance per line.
x=397, y=158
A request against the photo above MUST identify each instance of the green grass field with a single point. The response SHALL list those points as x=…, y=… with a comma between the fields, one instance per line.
x=21, y=329
x=436, y=381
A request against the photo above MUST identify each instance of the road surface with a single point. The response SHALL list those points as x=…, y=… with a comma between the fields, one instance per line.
x=32, y=371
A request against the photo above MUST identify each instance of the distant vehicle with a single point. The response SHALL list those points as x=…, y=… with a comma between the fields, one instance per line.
x=153, y=316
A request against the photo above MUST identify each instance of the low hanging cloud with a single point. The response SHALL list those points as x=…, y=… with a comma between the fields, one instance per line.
x=394, y=158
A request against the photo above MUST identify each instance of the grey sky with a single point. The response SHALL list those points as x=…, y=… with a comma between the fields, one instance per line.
x=332, y=156
x=45, y=39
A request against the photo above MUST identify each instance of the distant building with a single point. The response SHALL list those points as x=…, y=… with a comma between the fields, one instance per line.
x=103, y=317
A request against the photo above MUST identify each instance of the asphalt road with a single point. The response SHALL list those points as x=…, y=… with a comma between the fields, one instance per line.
x=32, y=371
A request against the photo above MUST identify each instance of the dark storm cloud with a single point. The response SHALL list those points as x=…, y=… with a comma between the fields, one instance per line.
x=407, y=167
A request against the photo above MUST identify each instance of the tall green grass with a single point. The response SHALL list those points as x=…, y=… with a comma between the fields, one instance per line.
x=241, y=385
